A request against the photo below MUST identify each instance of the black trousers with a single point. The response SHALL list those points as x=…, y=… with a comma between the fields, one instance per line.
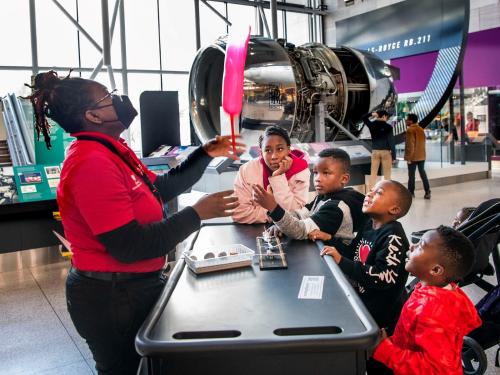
x=108, y=314
x=411, y=176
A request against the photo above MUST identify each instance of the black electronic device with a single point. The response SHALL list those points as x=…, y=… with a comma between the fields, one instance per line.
x=160, y=124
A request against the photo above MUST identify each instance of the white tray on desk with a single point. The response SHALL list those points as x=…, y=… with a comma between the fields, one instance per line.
x=238, y=255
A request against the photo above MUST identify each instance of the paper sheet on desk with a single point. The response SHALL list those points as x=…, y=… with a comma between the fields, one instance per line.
x=311, y=287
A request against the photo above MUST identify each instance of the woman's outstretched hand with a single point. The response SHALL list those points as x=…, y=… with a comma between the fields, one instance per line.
x=222, y=145
x=216, y=205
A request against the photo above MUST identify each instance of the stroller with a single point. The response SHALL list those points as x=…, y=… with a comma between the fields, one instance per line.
x=483, y=229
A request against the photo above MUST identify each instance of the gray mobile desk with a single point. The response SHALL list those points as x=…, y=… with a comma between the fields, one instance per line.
x=248, y=321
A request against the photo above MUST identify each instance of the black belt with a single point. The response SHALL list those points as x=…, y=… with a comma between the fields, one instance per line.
x=115, y=276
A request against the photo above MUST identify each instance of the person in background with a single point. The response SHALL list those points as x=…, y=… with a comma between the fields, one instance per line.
x=415, y=154
x=472, y=124
x=111, y=207
x=462, y=216
x=429, y=334
x=282, y=171
x=445, y=124
x=383, y=147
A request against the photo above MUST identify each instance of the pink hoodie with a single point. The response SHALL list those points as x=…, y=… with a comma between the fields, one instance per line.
x=290, y=194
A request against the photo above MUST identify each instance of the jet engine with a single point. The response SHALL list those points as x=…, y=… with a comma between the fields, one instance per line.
x=283, y=83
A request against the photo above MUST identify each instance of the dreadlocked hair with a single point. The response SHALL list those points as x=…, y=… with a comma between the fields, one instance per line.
x=61, y=99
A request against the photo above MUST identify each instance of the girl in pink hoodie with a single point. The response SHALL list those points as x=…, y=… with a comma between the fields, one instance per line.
x=278, y=169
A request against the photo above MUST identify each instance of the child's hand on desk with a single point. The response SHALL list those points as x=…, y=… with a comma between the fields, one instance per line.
x=263, y=198
x=382, y=335
x=274, y=231
x=316, y=234
x=330, y=250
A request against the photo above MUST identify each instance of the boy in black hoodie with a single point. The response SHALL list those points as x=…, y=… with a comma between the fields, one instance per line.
x=336, y=210
x=375, y=260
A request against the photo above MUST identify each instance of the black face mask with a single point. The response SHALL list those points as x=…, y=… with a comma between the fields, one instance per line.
x=123, y=108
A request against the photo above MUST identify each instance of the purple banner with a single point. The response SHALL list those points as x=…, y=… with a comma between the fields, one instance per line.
x=480, y=64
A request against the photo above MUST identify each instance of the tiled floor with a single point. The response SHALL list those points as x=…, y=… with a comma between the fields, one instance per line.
x=36, y=333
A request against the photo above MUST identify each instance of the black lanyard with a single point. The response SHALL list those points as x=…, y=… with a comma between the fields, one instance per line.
x=137, y=169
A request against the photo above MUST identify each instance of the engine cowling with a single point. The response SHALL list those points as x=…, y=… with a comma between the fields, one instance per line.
x=284, y=82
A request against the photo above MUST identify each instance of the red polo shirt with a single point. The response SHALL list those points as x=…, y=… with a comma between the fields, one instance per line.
x=98, y=193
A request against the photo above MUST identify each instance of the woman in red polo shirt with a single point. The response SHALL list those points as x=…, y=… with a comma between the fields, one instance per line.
x=112, y=211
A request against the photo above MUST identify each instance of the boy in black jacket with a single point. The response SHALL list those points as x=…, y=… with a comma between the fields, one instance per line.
x=336, y=210
x=375, y=260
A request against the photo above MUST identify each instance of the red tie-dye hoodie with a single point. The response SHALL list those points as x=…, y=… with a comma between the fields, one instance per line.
x=429, y=334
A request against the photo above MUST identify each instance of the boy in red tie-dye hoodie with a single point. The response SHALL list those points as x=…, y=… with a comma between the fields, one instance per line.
x=429, y=334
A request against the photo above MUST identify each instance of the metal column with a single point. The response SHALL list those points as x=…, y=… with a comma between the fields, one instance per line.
x=451, y=127
x=123, y=48
x=106, y=42
x=463, y=135
x=34, y=44
x=98, y=68
x=274, y=18
x=319, y=122
x=197, y=23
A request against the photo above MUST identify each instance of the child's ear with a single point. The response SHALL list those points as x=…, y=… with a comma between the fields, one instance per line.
x=437, y=270
x=345, y=179
x=395, y=210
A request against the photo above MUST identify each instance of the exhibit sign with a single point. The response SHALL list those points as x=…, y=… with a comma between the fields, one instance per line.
x=36, y=182
x=59, y=140
x=8, y=192
x=406, y=28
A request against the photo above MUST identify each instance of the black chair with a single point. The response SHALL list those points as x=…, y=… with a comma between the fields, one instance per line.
x=482, y=228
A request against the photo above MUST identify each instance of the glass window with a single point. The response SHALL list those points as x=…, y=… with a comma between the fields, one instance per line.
x=12, y=81
x=297, y=2
x=180, y=83
x=103, y=78
x=56, y=35
x=178, y=35
x=137, y=83
x=297, y=28
x=242, y=15
x=141, y=20
x=15, y=31
x=89, y=16
x=281, y=33
x=211, y=25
